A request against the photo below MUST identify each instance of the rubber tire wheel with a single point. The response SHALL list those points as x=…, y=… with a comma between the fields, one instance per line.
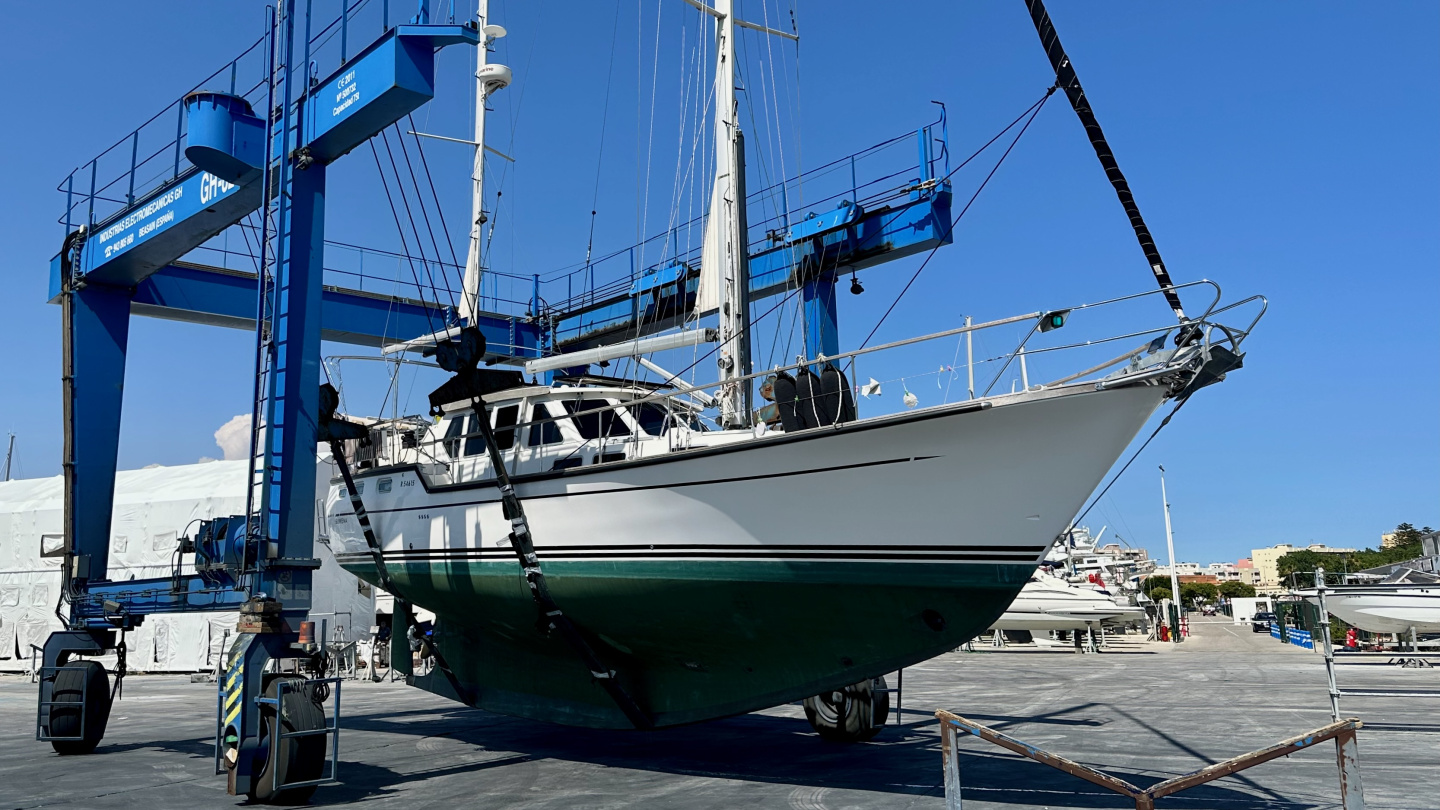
x=299, y=759
x=845, y=720
x=72, y=683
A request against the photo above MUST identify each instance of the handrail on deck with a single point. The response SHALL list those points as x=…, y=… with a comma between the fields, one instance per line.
x=1232, y=336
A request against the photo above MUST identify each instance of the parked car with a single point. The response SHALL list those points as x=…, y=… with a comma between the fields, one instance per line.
x=1260, y=622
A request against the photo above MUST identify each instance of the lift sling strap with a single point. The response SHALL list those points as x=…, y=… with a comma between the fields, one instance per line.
x=551, y=616
x=336, y=432
x=461, y=357
x=1066, y=79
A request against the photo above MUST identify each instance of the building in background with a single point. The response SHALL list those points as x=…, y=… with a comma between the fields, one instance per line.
x=1246, y=568
x=1182, y=570
x=1225, y=572
x=1119, y=552
x=1389, y=540
x=1266, y=561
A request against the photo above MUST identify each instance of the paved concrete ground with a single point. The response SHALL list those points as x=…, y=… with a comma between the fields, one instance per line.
x=1143, y=710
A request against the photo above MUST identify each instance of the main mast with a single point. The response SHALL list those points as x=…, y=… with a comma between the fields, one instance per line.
x=488, y=79
x=724, y=284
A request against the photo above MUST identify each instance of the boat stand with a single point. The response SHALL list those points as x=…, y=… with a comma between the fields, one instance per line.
x=898, y=690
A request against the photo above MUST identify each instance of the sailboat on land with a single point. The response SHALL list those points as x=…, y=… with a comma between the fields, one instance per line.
x=684, y=555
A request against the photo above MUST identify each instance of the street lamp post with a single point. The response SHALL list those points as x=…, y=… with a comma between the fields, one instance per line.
x=1174, y=575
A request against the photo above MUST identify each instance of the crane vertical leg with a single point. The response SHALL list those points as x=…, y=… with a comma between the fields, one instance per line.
x=822, y=325
x=97, y=330
x=292, y=413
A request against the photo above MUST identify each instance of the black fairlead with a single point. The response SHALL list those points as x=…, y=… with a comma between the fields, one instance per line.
x=1066, y=80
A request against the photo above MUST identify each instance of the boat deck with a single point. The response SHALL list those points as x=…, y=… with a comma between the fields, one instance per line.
x=1142, y=710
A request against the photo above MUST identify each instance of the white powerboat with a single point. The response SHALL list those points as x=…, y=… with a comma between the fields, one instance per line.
x=1050, y=603
x=1404, y=601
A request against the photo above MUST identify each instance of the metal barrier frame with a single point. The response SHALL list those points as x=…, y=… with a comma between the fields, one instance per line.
x=1352, y=796
x=41, y=714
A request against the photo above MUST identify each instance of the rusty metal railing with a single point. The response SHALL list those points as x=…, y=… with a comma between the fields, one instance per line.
x=1352, y=797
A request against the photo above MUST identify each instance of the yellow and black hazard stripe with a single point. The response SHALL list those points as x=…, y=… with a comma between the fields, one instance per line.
x=233, y=688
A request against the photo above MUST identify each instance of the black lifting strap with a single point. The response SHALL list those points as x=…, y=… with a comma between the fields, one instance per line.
x=461, y=357
x=336, y=432
x=551, y=616
x=1066, y=79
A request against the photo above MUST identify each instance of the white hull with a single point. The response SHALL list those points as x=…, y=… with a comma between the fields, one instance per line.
x=1385, y=608
x=1048, y=603
x=954, y=484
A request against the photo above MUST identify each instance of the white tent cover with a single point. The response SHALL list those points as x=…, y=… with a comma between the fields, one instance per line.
x=153, y=508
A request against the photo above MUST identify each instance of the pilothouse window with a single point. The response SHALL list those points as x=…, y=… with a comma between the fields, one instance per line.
x=452, y=436
x=545, y=433
x=474, y=440
x=505, y=420
x=650, y=416
x=593, y=422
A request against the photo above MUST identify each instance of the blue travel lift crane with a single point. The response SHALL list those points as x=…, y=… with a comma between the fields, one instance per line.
x=271, y=729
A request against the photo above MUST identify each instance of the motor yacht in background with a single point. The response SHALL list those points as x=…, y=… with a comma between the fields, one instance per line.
x=1048, y=603
x=1405, y=600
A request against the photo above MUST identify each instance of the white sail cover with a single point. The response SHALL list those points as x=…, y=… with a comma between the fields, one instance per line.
x=152, y=509
x=711, y=290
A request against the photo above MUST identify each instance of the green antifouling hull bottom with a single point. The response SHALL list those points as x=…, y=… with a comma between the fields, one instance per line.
x=694, y=641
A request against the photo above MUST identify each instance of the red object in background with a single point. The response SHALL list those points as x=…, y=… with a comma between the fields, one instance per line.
x=1351, y=640
x=1164, y=633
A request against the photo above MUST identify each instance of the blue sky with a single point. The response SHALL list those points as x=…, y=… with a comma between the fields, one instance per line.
x=1275, y=152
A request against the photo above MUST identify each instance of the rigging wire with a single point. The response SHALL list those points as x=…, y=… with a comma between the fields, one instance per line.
x=1032, y=111
x=429, y=320
x=650, y=136
x=409, y=215
x=1133, y=456
x=1036, y=111
x=439, y=210
x=424, y=213
x=600, y=153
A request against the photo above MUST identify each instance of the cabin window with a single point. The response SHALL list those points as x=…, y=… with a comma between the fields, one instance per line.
x=593, y=422
x=474, y=440
x=505, y=419
x=650, y=416
x=565, y=463
x=452, y=436
x=546, y=432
